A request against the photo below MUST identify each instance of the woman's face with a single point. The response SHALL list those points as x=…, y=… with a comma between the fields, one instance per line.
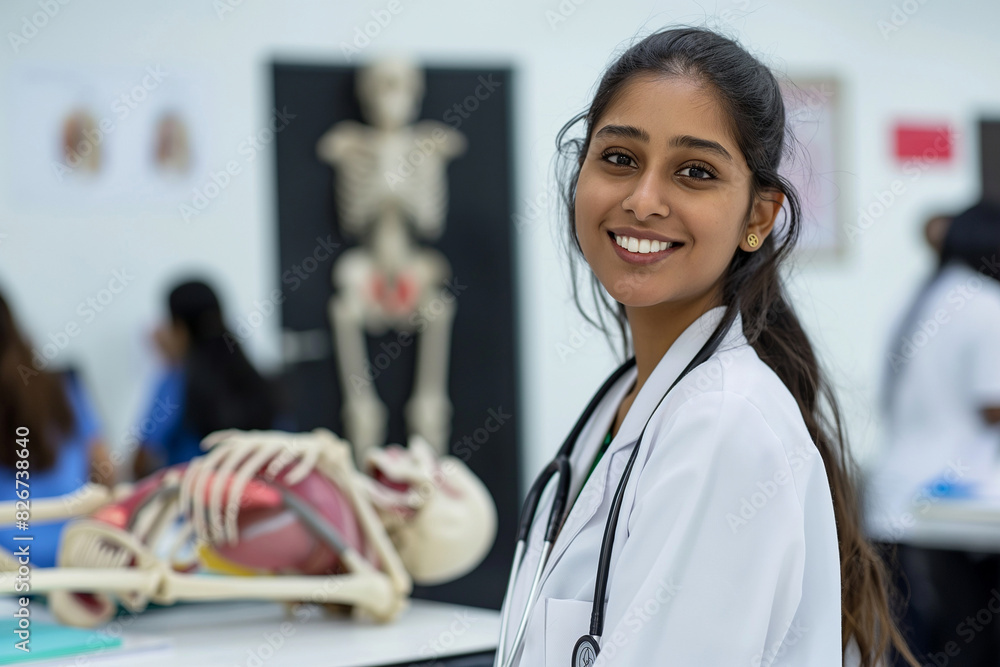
x=662, y=168
x=172, y=340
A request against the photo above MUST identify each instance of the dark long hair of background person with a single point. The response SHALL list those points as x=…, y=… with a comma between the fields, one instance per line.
x=752, y=285
x=29, y=397
x=973, y=239
x=222, y=388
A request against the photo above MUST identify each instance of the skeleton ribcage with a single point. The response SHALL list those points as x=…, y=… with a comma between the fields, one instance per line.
x=379, y=178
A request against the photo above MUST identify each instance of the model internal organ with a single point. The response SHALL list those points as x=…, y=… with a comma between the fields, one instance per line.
x=391, y=190
x=287, y=514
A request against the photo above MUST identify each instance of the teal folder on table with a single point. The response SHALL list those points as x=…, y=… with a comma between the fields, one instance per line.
x=49, y=640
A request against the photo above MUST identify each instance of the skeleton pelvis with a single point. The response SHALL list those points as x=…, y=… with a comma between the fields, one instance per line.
x=395, y=295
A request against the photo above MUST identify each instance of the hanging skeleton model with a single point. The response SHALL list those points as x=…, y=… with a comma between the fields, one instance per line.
x=391, y=189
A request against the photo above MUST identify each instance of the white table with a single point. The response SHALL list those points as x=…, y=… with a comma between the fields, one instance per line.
x=263, y=634
x=964, y=525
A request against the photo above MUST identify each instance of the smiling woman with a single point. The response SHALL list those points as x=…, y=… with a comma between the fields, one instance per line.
x=664, y=151
x=671, y=198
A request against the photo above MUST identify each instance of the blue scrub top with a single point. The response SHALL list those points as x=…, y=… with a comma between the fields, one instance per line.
x=70, y=472
x=163, y=431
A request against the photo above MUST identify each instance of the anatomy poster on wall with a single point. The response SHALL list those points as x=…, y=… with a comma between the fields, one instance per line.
x=101, y=138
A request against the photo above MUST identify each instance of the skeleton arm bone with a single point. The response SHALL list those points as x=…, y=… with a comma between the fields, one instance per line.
x=341, y=141
x=82, y=502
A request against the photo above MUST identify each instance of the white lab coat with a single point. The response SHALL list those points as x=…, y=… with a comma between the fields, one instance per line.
x=726, y=549
x=949, y=369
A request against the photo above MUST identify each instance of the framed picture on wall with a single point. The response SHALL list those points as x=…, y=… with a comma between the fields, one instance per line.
x=812, y=112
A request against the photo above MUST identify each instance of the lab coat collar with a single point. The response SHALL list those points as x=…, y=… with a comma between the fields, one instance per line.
x=673, y=362
x=666, y=371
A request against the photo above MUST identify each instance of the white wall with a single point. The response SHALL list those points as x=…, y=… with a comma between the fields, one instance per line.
x=940, y=65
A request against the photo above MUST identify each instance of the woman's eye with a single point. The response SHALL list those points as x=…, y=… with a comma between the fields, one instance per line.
x=698, y=173
x=618, y=159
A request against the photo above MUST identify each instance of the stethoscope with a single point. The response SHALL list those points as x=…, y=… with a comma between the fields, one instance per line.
x=587, y=647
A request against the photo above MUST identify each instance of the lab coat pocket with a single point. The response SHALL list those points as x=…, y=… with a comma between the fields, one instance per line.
x=565, y=622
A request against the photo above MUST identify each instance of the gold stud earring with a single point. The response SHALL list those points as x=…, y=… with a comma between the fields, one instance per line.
x=752, y=240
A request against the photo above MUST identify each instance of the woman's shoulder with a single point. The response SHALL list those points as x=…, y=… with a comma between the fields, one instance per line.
x=738, y=372
x=737, y=404
x=963, y=288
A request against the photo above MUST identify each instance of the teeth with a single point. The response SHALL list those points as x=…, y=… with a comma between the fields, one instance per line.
x=642, y=246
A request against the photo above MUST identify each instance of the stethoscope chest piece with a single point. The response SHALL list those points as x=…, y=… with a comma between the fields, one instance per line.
x=585, y=652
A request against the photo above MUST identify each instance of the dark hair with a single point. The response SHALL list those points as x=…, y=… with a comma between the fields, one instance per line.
x=222, y=388
x=29, y=397
x=752, y=101
x=972, y=240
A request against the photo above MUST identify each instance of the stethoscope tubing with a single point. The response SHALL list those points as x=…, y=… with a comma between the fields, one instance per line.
x=518, y=556
x=560, y=465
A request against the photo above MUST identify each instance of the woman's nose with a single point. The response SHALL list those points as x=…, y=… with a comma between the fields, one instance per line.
x=647, y=198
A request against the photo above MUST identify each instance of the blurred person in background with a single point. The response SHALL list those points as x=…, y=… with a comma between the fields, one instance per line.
x=208, y=384
x=64, y=437
x=941, y=397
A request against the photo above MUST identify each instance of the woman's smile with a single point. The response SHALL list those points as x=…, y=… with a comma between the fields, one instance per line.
x=642, y=250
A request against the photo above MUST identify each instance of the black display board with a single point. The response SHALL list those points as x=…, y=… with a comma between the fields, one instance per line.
x=477, y=241
x=989, y=159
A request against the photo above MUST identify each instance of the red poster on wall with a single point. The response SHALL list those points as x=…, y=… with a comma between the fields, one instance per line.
x=926, y=142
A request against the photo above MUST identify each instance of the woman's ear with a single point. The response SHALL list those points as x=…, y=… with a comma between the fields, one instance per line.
x=763, y=213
